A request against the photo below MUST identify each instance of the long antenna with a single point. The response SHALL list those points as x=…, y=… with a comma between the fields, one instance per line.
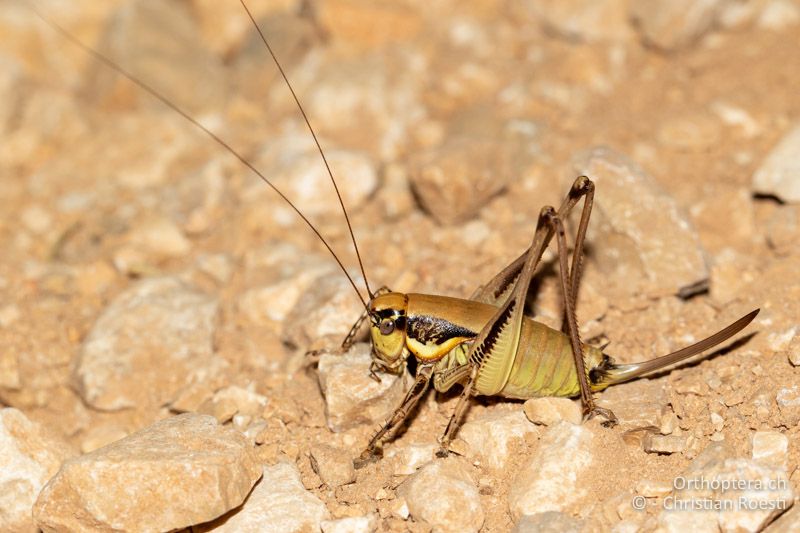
x=154, y=93
x=316, y=141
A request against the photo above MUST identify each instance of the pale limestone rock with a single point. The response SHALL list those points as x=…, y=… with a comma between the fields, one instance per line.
x=304, y=179
x=666, y=444
x=399, y=508
x=328, y=308
x=333, y=465
x=277, y=504
x=779, y=173
x=649, y=244
x=175, y=57
x=585, y=20
x=101, y=435
x=770, y=448
x=443, y=494
x=178, y=472
x=354, y=524
x=490, y=437
x=637, y=404
x=673, y=24
x=548, y=522
x=220, y=267
x=352, y=397
x=779, y=14
x=28, y=458
x=159, y=238
x=794, y=351
x=788, y=399
x=230, y=401
x=549, y=411
x=782, y=228
x=276, y=300
x=409, y=458
x=550, y=481
x=739, y=486
x=691, y=133
x=147, y=344
x=789, y=522
x=367, y=101
x=653, y=489
x=455, y=180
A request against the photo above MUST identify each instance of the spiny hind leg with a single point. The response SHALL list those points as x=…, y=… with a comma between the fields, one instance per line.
x=496, y=291
x=374, y=448
x=569, y=283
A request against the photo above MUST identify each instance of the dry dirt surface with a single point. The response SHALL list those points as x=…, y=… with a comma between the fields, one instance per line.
x=157, y=298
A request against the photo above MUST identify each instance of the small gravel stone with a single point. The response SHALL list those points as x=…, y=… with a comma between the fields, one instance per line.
x=160, y=237
x=175, y=55
x=147, y=344
x=409, y=458
x=550, y=481
x=352, y=397
x=333, y=465
x=491, y=436
x=548, y=522
x=783, y=228
x=663, y=443
x=399, y=508
x=444, y=495
x=178, y=472
x=669, y=422
x=278, y=503
x=455, y=180
x=770, y=448
x=788, y=399
x=550, y=411
x=653, y=489
x=328, y=308
x=585, y=20
x=28, y=458
x=219, y=266
x=230, y=401
x=674, y=24
x=637, y=404
x=779, y=14
x=794, y=351
x=779, y=173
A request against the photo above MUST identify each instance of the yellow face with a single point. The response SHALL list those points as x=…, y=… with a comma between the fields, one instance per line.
x=387, y=316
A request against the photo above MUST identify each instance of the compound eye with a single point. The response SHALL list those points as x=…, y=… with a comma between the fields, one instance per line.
x=386, y=326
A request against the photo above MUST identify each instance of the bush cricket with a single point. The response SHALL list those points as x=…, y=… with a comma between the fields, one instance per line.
x=485, y=343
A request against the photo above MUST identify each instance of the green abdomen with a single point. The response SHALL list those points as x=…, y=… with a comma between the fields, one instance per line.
x=544, y=365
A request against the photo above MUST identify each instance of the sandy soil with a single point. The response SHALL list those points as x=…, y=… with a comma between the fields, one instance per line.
x=104, y=186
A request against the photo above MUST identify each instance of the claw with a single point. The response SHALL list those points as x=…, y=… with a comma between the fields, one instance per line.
x=611, y=419
x=442, y=452
x=367, y=456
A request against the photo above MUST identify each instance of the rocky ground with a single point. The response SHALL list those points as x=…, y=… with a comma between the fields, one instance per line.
x=157, y=299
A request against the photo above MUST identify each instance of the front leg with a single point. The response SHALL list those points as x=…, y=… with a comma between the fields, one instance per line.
x=374, y=448
x=458, y=414
x=313, y=356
